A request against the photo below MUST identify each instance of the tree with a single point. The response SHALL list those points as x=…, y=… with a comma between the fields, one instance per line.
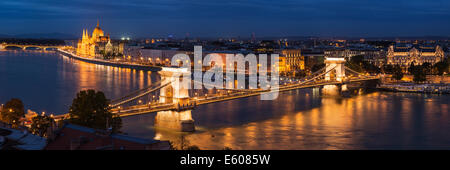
x=397, y=72
x=358, y=59
x=419, y=74
x=12, y=112
x=40, y=125
x=389, y=69
x=355, y=63
x=317, y=67
x=427, y=68
x=300, y=74
x=371, y=68
x=358, y=64
x=441, y=67
x=91, y=109
x=411, y=68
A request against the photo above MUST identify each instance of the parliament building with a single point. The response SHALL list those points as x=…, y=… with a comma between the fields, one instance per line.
x=98, y=45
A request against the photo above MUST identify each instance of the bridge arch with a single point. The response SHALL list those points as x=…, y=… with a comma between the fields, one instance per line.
x=11, y=46
x=25, y=46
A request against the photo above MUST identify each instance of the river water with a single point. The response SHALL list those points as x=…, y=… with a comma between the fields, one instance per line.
x=300, y=119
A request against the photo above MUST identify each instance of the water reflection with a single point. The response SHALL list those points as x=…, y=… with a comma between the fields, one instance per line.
x=299, y=119
x=47, y=81
x=296, y=121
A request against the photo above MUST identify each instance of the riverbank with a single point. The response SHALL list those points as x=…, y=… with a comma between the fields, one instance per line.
x=441, y=88
x=111, y=63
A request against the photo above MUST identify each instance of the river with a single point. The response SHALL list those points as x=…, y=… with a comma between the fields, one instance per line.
x=300, y=119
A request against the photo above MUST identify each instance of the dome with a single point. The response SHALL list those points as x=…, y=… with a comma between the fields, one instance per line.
x=98, y=32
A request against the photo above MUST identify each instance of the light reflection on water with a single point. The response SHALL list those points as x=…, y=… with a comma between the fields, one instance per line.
x=298, y=119
x=295, y=121
x=46, y=81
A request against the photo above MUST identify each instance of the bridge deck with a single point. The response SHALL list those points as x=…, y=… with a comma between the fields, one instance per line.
x=144, y=109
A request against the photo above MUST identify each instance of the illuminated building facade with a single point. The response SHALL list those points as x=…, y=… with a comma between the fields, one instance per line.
x=98, y=44
x=404, y=55
x=291, y=59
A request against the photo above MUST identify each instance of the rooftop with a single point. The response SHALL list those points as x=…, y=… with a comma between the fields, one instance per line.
x=75, y=137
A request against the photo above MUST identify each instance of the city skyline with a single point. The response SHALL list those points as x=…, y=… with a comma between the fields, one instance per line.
x=201, y=18
x=226, y=75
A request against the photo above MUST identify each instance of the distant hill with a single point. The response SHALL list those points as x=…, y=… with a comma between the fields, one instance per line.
x=61, y=36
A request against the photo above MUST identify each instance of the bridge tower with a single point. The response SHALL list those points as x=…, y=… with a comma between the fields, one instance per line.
x=334, y=65
x=177, y=94
x=338, y=65
x=2, y=46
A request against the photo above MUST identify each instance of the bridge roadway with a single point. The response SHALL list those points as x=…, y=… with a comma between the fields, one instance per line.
x=25, y=46
x=149, y=108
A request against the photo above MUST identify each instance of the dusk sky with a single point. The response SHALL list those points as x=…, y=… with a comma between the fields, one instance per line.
x=212, y=18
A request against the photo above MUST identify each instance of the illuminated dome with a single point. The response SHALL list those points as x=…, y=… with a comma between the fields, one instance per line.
x=98, y=32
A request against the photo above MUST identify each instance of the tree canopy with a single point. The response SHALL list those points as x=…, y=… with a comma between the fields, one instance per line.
x=317, y=67
x=397, y=72
x=442, y=66
x=358, y=64
x=12, y=112
x=91, y=109
x=418, y=72
x=40, y=125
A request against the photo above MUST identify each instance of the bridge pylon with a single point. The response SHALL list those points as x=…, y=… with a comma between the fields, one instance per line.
x=336, y=63
x=178, y=94
x=175, y=92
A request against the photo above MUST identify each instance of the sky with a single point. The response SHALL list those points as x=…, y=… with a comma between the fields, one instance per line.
x=229, y=18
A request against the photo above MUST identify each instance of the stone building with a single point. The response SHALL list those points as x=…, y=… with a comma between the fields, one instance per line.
x=98, y=44
x=405, y=54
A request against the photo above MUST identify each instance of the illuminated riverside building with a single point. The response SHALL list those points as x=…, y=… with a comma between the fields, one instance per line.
x=404, y=55
x=291, y=59
x=373, y=55
x=98, y=44
x=351, y=52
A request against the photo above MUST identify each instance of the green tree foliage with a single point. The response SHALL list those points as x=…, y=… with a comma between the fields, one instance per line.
x=442, y=66
x=397, y=72
x=317, y=67
x=12, y=112
x=40, y=125
x=299, y=74
x=418, y=72
x=358, y=64
x=427, y=68
x=389, y=69
x=91, y=109
x=411, y=68
x=355, y=63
